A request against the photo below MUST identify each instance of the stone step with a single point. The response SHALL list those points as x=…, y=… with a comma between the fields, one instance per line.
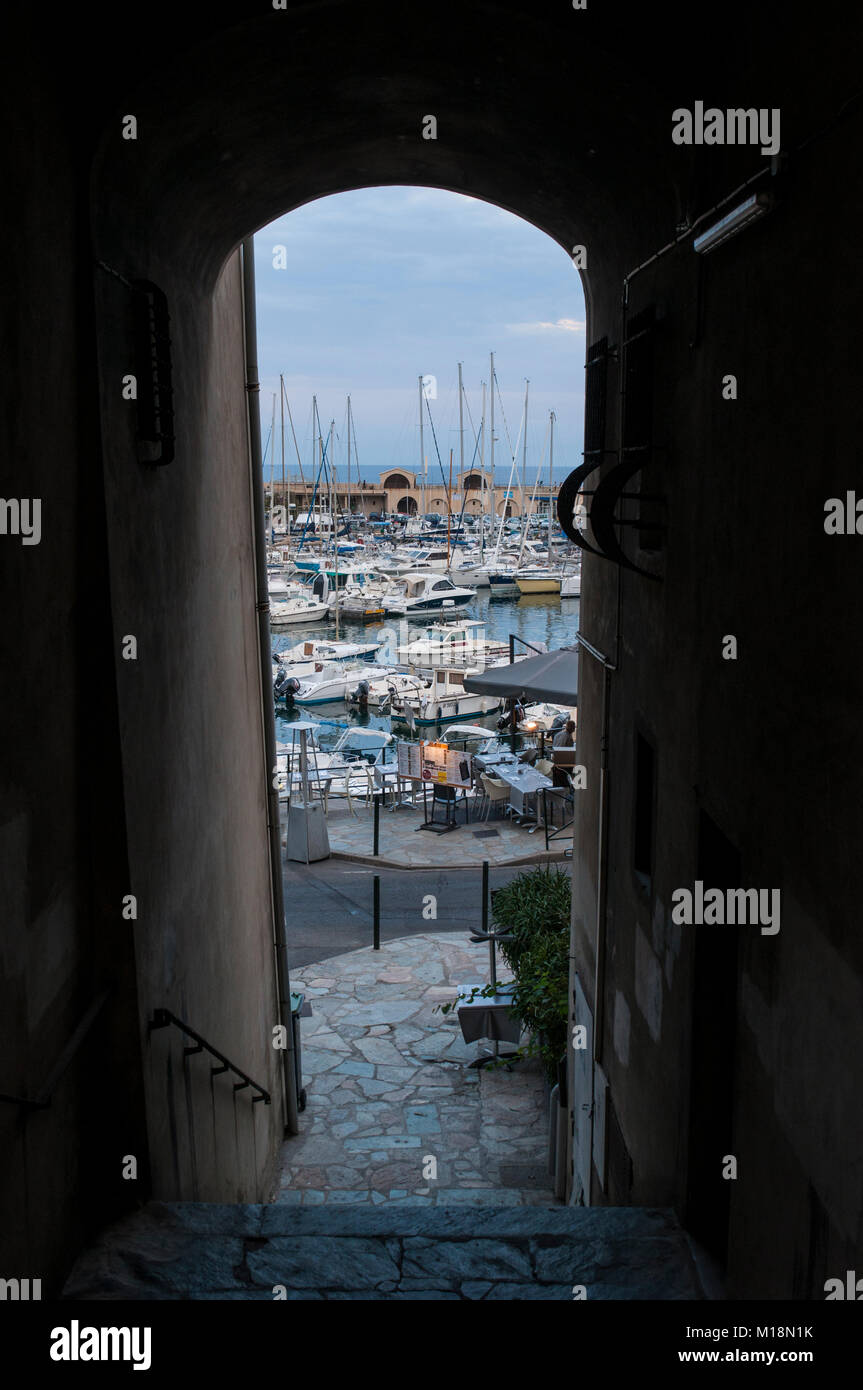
x=189, y=1250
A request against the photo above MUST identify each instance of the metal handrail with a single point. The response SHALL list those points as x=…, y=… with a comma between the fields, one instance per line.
x=43, y=1100
x=162, y=1018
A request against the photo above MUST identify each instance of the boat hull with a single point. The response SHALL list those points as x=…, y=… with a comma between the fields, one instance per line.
x=542, y=584
x=439, y=711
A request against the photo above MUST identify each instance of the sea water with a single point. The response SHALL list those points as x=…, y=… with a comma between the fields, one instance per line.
x=535, y=617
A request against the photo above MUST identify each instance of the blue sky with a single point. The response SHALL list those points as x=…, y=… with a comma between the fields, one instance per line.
x=385, y=284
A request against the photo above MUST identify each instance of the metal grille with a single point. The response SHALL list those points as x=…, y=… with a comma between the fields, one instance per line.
x=153, y=369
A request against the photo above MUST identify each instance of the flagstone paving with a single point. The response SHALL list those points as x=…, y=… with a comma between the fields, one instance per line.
x=402, y=844
x=390, y=1095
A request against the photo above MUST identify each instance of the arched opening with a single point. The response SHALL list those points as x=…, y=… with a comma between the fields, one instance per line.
x=407, y=504
x=566, y=122
x=396, y=480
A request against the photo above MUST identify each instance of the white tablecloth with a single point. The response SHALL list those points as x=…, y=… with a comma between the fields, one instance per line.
x=523, y=781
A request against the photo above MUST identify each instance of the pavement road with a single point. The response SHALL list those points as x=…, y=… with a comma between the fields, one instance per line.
x=328, y=904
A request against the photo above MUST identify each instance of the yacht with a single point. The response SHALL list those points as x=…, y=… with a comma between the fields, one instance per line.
x=447, y=644
x=333, y=684
x=379, y=693
x=315, y=650
x=431, y=594
x=299, y=610
x=445, y=698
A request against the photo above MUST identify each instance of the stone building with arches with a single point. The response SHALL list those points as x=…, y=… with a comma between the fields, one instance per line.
x=475, y=488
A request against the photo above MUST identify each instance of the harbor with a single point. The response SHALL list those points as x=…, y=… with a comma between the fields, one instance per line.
x=361, y=694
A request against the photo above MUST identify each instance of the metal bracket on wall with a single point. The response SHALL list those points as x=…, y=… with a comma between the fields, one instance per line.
x=602, y=518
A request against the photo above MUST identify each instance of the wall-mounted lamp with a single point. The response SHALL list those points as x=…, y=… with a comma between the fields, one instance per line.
x=733, y=222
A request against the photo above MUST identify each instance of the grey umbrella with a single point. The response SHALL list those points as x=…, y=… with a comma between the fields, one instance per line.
x=552, y=676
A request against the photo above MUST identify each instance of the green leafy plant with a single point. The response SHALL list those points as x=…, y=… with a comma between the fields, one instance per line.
x=533, y=904
x=533, y=908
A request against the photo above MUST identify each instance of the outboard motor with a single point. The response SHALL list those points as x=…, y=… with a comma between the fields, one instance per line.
x=290, y=687
x=360, y=696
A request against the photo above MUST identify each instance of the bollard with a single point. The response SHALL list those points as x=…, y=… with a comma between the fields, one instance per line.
x=376, y=913
x=377, y=833
x=485, y=895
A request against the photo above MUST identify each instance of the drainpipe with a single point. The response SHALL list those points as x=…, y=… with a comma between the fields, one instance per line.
x=268, y=708
x=602, y=871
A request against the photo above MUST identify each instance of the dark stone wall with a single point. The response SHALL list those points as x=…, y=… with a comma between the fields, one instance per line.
x=148, y=776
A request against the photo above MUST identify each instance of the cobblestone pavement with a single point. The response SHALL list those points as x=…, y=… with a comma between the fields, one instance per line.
x=389, y=1088
x=196, y=1251
x=403, y=845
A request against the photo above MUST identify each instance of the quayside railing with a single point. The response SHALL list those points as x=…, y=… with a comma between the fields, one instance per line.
x=163, y=1018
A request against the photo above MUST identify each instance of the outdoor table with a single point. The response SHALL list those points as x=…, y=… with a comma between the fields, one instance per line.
x=389, y=777
x=488, y=1017
x=523, y=781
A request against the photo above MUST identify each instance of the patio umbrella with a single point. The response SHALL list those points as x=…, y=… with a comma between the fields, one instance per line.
x=552, y=676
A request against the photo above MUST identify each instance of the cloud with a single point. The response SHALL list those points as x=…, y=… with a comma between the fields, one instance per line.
x=559, y=326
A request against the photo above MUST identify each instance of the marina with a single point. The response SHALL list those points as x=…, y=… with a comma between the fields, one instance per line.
x=381, y=680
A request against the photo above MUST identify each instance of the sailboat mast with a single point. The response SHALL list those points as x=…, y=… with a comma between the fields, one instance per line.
x=349, y=457
x=282, y=416
x=448, y=509
x=461, y=429
x=316, y=449
x=482, y=482
x=550, y=475
x=272, y=465
x=334, y=494
x=524, y=455
x=422, y=455
x=491, y=441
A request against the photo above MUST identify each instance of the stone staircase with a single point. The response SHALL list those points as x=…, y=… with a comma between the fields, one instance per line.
x=199, y=1251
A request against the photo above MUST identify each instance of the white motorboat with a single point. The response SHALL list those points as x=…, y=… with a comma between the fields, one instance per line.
x=333, y=685
x=314, y=649
x=288, y=679
x=380, y=693
x=452, y=644
x=445, y=698
x=298, y=609
x=428, y=594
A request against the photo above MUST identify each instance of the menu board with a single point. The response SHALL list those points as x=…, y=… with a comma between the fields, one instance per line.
x=457, y=768
x=434, y=762
x=410, y=760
